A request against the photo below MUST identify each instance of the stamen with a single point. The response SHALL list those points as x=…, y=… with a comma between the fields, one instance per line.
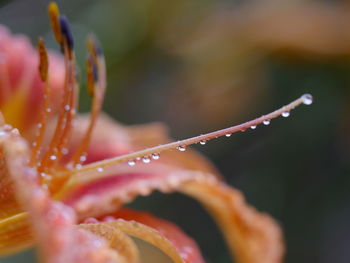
x=305, y=99
x=65, y=118
x=96, y=83
x=43, y=60
x=66, y=32
x=54, y=15
x=43, y=69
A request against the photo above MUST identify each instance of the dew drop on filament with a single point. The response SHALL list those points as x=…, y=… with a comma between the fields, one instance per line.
x=155, y=156
x=285, y=114
x=253, y=127
x=131, y=163
x=146, y=159
x=100, y=169
x=228, y=135
x=307, y=99
x=181, y=148
x=203, y=142
x=266, y=122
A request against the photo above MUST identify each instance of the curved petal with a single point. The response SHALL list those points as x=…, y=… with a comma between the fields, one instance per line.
x=123, y=244
x=15, y=234
x=167, y=239
x=21, y=87
x=59, y=239
x=185, y=246
x=252, y=236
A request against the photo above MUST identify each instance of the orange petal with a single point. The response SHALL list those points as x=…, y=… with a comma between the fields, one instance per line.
x=123, y=244
x=185, y=246
x=152, y=236
x=252, y=236
x=15, y=234
x=54, y=224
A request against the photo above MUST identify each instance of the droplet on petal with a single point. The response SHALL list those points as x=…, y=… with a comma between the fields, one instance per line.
x=64, y=151
x=90, y=220
x=100, y=169
x=53, y=157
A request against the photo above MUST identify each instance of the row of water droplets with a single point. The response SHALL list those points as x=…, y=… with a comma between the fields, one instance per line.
x=306, y=100
x=145, y=159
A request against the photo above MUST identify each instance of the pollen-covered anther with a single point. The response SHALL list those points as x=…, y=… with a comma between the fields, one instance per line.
x=54, y=15
x=43, y=60
x=66, y=32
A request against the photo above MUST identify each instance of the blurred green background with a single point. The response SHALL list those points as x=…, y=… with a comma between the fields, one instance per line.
x=200, y=65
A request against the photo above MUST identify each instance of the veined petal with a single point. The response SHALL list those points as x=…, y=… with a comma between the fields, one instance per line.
x=15, y=234
x=21, y=88
x=252, y=236
x=117, y=240
x=53, y=223
x=186, y=248
x=160, y=233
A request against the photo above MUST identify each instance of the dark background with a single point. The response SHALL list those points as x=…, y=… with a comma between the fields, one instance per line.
x=201, y=65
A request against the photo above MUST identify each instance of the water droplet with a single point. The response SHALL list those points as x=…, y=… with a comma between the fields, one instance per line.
x=40, y=125
x=82, y=158
x=67, y=107
x=53, y=157
x=100, y=169
x=285, y=114
x=78, y=166
x=146, y=159
x=155, y=156
x=243, y=130
x=90, y=220
x=34, y=144
x=48, y=110
x=228, y=135
x=181, y=148
x=7, y=127
x=138, y=158
x=307, y=99
x=64, y=151
x=253, y=127
x=131, y=163
x=266, y=122
x=203, y=142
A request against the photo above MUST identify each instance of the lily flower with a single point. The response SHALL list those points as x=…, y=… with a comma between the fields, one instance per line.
x=63, y=189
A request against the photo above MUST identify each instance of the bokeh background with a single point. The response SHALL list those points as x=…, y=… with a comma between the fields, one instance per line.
x=201, y=65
